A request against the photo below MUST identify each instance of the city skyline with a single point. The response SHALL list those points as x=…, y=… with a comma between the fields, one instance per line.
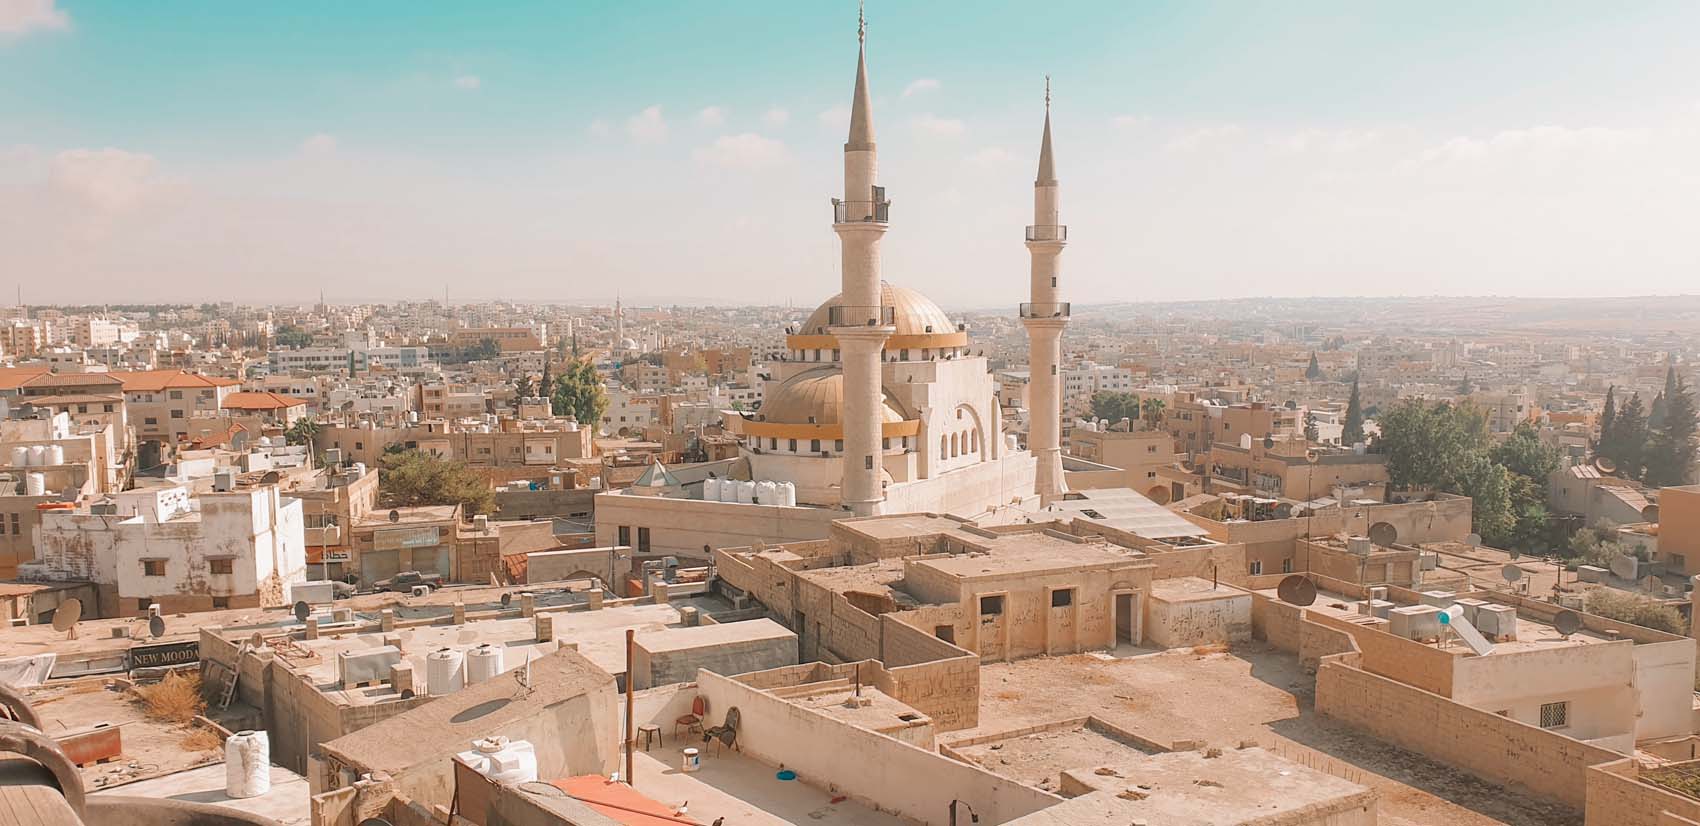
x=1208, y=151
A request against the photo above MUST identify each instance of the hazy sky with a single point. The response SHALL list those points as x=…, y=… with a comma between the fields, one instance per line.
x=686, y=151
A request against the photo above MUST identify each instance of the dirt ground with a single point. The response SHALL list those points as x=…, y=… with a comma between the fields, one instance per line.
x=1039, y=759
x=150, y=748
x=1249, y=694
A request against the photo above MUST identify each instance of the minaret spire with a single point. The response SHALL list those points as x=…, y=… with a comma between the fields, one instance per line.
x=861, y=119
x=1045, y=315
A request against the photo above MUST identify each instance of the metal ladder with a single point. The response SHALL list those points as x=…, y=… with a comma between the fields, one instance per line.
x=227, y=691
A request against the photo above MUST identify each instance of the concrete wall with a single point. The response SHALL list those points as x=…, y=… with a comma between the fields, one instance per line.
x=1188, y=622
x=1591, y=678
x=1272, y=541
x=1496, y=749
x=670, y=656
x=611, y=565
x=685, y=526
x=873, y=769
x=1616, y=796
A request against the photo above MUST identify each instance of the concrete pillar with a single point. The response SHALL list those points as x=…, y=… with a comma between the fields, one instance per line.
x=527, y=604
x=545, y=627
x=659, y=589
x=386, y=619
x=401, y=677
x=864, y=398
x=312, y=631
x=460, y=613
x=594, y=603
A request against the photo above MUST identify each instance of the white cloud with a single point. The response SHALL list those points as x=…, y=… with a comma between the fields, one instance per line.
x=647, y=126
x=776, y=117
x=1544, y=143
x=109, y=179
x=600, y=128
x=990, y=156
x=320, y=144
x=837, y=117
x=468, y=82
x=744, y=151
x=20, y=17
x=938, y=127
x=711, y=116
x=1202, y=137
x=915, y=87
x=1129, y=121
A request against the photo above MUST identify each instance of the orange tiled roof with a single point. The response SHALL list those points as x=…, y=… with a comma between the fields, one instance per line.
x=261, y=400
x=11, y=378
x=163, y=379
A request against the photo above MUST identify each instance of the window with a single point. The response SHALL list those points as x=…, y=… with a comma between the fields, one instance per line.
x=143, y=603
x=108, y=408
x=82, y=408
x=176, y=414
x=153, y=567
x=1062, y=597
x=1150, y=448
x=838, y=445
x=625, y=535
x=1287, y=565
x=176, y=395
x=643, y=540
x=220, y=603
x=222, y=566
x=1256, y=567
x=793, y=446
x=1555, y=715
x=150, y=420
x=814, y=445
x=991, y=606
x=945, y=632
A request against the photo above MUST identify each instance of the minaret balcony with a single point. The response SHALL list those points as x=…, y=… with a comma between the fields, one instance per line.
x=1047, y=232
x=1053, y=310
x=861, y=212
x=851, y=316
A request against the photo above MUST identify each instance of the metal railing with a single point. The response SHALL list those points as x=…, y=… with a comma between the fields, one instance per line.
x=1057, y=310
x=861, y=212
x=852, y=316
x=1047, y=232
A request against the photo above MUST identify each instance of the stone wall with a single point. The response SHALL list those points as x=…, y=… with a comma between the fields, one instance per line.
x=1494, y=748
x=1616, y=796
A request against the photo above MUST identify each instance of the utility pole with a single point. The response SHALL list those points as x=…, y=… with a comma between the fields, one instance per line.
x=631, y=679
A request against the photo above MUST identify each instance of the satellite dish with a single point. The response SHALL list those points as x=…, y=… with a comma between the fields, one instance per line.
x=1567, y=622
x=1650, y=513
x=302, y=610
x=271, y=478
x=507, y=599
x=66, y=615
x=1511, y=573
x=1159, y=494
x=156, y=626
x=395, y=516
x=1296, y=590
x=1605, y=464
x=1312, y=456
x=1473, y=540
x=1383, y=534
x=258, y=640
x=406, y=694
x=1269, y=441
x=1283, y=511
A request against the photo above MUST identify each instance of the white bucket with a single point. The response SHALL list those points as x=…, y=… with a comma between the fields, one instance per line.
x=692, y=761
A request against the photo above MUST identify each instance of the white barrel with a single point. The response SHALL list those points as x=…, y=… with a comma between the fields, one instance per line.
x=767, y=493
x=55, y=455
x=746, y=492
x=502, y=760
x=711, y=489
x=35, y=484
x=444, y=673
x=20, y=456
x=247, y=764
x=482, y=663
x=38, y=454
x=728, y=491
x=790, y=494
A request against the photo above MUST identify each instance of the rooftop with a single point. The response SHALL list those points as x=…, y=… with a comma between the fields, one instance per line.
x=1029, y=553
x=1126, y=510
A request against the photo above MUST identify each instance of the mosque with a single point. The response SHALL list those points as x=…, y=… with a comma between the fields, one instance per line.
x=880, y=406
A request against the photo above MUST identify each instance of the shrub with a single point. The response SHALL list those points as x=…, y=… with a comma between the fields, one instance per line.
x=175, y=699
x=1635, y=609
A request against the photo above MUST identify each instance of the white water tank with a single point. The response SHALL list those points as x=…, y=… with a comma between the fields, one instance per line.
x=38, y=454
x=35, y=484
x=746, y=492
x=728, y=491
x=20, y=456
x=767, y=493
x=247, y=764
x=711, y=489
x=502, y=760
x=790, y=489
x=482, y=663
x=55, y=455
x=444, y=672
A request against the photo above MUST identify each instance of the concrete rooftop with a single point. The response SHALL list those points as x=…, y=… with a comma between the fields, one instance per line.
x=286, y=802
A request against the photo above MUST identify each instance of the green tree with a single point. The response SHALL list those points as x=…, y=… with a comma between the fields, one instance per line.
x=1465, y=388
x=1353, y=431
x=1311, y=433
x=578, y=393
x=1490, y=488
x=1670, y=454
x=292, y=337
x=1114, y=407
x=1523, y=453
x=410, y=478
x=1431, y=446
x=1314, y=371
x=1152, y=410
x=485, y=349
x=1626, y=442
x=1608, y=418
x=302, y=432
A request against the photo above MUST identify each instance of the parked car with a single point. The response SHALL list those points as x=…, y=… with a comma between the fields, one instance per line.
x=404, y=581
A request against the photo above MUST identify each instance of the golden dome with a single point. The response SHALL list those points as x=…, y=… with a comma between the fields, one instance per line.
x=913, y=313
x=814, y=397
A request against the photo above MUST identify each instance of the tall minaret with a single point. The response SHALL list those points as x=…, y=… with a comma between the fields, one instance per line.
x=1045, y=317
x=859, y=322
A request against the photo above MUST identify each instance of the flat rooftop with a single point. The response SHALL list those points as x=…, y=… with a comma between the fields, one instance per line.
x=1124, y=509
x=287, y=802
x=1532, y=635
x=882, y=577
x=874, y=710
x=1028, y=553
x=903, y=525
x=708, y=636
x=744, y=792
x=1192, y=589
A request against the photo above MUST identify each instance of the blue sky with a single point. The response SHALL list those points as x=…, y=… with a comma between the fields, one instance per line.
x=682, y=151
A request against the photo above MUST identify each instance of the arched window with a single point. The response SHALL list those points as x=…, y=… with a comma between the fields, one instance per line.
x=955, y=444
x=974, y=439
x=944, y=447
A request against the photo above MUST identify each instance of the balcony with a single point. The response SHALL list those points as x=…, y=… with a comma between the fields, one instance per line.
x=1047, y=232
x=861, y=212
x=852, y=316
x=1057, y=310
